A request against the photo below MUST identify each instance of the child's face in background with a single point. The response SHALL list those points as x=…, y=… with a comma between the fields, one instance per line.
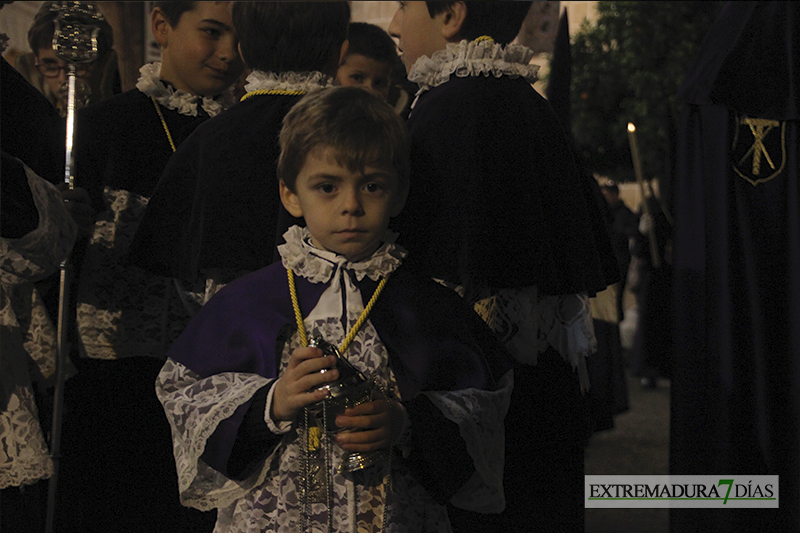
x=200, y=53
x=418, y=34
x=346, y=212
x=358, y=70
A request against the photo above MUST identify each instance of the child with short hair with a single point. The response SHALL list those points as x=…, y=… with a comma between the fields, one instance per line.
x=214, y=213
x=370, y=59
x=127, y=317
x=497, y=209
x=246, y=394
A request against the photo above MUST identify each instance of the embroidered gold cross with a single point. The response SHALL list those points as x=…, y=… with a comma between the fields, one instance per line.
x=760, y=127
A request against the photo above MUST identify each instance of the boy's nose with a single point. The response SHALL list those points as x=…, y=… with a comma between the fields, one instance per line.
x=351, y=204
x=228, y=50
x=394, y=25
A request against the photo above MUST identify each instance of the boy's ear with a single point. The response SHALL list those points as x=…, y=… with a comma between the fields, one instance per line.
x=290, y=201
x=159, y=25
x=343, y=52
x=453, y=20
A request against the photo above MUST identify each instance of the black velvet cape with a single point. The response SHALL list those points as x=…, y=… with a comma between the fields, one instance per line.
x=217, y=203
x=496, y=196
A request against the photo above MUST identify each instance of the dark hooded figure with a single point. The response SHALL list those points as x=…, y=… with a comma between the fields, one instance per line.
x=736, y=377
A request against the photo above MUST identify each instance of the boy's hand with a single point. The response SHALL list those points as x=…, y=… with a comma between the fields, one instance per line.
x=373, y=426
x=293, y=389
x=78, y=205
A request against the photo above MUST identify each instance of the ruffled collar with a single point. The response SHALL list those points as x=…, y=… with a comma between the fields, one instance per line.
x=181, y=101
x=258, y=80
x=473, y=58
x=319, y=266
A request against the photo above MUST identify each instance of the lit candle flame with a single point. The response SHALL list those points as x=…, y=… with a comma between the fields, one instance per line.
x=631, y=127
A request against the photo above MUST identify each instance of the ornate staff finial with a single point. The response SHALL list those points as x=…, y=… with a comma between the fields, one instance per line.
x=76, y=31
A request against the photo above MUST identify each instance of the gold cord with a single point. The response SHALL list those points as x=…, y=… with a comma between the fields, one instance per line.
x=483, y=38
x=301, y=329
x=273, y=91
x=163, y=123
x=296, y=305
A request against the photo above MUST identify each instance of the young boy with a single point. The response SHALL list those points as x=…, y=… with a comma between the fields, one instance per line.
x=239, y=382
x=497, y=210
x=370, y=60
x=117, y=445
x=214, y=214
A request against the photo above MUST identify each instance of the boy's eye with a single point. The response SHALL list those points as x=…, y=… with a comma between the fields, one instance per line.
x=212, y=32
x=357, y=77
x=373, y=187
x=326, y=188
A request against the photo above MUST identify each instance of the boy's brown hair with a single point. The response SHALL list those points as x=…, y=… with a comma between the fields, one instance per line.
x=499, y=20
x=291, y=36
x=361, y=128
x=371, y=41
x=173, y=11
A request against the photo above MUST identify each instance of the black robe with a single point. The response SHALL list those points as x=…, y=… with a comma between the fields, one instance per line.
x=736, y=377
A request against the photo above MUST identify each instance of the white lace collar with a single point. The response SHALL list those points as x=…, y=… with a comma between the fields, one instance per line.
x=472, y=58
x=181, y=101
x=258, y=80
x=318, y=266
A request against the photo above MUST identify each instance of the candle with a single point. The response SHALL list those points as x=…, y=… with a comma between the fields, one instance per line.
x=655, y=260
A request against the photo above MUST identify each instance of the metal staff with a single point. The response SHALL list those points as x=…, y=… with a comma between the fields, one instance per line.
x=655, y=258
x=74, y=41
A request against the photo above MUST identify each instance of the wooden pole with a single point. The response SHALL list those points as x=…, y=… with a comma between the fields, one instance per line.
x=655, y=258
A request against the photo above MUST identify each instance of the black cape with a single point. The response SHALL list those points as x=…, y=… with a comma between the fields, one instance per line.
x=217, y=203
x=496, y=196
x=120, y=142
x=736, y=379
x=30, y=127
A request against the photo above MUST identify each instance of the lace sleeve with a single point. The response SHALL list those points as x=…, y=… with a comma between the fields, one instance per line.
x=479, y=415
x=195, y=407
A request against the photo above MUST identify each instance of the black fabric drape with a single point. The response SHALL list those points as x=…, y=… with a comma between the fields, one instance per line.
x=736, y=378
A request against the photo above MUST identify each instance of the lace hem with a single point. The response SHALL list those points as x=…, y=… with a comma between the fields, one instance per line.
x=195, y=407
x=299, y=255
x=471, y=58
x=38, y=254
x=528, y=324
x=483, y=492
x=259, y=80
x=183, y=102
x=24, y=458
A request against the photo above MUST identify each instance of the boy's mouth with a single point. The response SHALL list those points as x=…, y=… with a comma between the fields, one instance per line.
x=219, y=72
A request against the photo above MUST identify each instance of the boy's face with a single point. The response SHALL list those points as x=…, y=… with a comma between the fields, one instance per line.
x=361, y=71
x=346, y=212
x=200, y=53
x=418, y=34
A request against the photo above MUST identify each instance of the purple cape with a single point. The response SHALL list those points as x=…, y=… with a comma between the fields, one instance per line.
x=434, y=339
